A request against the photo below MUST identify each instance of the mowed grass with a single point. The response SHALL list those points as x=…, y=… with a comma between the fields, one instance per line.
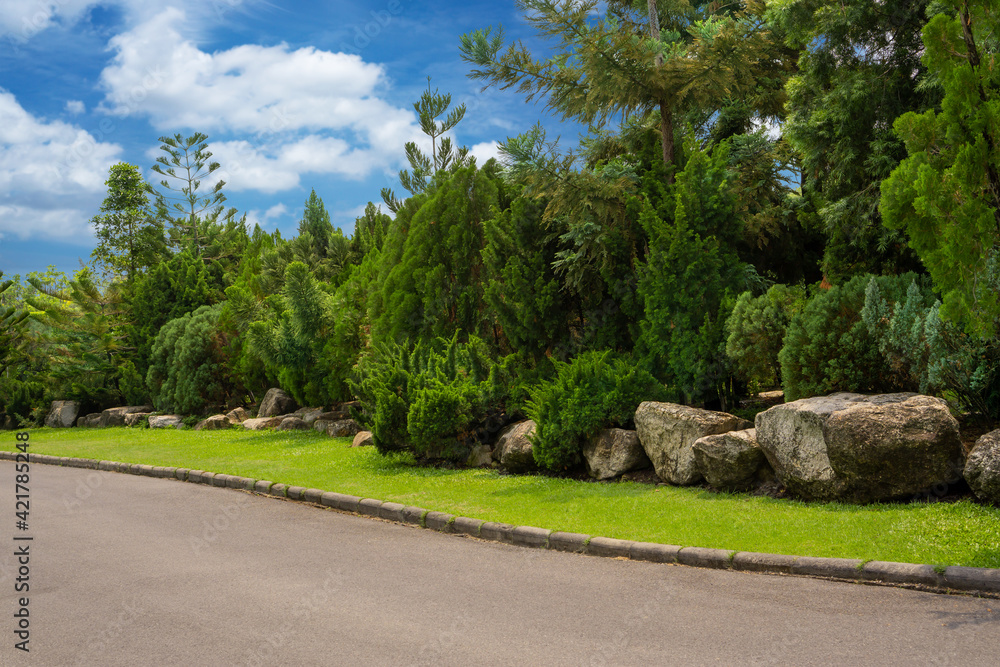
x=961, y=533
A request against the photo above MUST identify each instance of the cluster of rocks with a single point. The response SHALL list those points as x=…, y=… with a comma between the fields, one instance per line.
x=845, y=447
x=278, y=411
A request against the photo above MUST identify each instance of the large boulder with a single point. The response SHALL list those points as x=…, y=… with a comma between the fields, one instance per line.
x=276, y=402
x=89, y=421
x=730, y=461
x=513, y=447
x=116, y=416
x=341, y=428
x=135, y=418
x=363, y=439
x=62, y=414
x=861, y=448
x=668, y=432
x=309, y=415
x=213, y=423
x=260, y=423
x=292, y=423
x=612, y=452
x=479, y=456
x=166, y=421
x=982, y=470
x=237, y=416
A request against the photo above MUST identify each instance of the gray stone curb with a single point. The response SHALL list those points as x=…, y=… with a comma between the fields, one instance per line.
x=970, y=580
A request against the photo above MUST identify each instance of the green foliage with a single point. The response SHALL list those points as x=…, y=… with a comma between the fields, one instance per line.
x=184, y=373
x=828, y=348
x=859, y=70
x=594, y=391
x=169, y=290
x=436, y=398
x=370, y=230
x=946, y=194
x=756, y=330
x=129, y=239
x=12, y=325
x=430, y=270
x=297, y=345
x=690, y=280
x=935, y=355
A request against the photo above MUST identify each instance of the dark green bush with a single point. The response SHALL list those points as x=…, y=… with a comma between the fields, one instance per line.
x=756, y=330
x=828, y=348
x=937, y=356
x=592, y=392
x=185, y=366
x=437, y=398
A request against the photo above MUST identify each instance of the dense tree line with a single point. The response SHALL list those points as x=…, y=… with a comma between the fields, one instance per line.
x=801, y=193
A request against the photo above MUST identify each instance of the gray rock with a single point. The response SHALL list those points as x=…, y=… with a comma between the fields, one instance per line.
x=513, y=447
x=260, y=423
x=276, y=402
x=668, y=432
x=861, y=448
x=213, y=423
x=116, y=416
x=730, y=461
x=292, y=424
x=481, y=455
x=62, y=414
x=363, y=439
x=135, y=418
x=166, y=421
x=89, y=421
x=982, y=470
x=237, y=416
x=612, y=452
x=309, y=415
x=342, y=428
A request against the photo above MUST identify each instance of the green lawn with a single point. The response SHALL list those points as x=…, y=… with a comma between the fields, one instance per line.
x=962, y=533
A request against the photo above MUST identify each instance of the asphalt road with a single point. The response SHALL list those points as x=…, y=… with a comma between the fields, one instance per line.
x=131, y=570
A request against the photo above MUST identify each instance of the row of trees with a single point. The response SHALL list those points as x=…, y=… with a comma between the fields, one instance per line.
x=801, y=192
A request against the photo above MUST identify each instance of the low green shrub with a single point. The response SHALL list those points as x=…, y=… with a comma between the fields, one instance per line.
x=828, y=348
x=184, y=371
x=756, y=330
x=436, y=398
x=592, y=392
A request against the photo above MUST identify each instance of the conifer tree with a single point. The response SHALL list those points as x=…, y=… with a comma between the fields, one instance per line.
x=129, y=237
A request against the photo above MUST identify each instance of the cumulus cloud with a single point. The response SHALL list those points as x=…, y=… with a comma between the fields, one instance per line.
x=75, y=107
x=484, y=151
x=51, y=174
x=305, y=110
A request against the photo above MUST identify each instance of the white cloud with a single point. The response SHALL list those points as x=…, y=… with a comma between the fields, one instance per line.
x=51, y=174
x=309, y=111
x=75, y=107
x=484, y=151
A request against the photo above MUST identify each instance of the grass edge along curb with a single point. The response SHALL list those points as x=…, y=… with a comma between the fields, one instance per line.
x=980, y=581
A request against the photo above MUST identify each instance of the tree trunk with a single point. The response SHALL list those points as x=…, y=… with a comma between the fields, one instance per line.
x=666, y=113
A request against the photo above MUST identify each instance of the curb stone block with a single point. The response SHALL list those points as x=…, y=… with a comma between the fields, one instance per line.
x=985, y=580
x=207, y=478
x=609, y=547
x=467, y=526
x=135, y=469
x=529, y=536
x=369, y=506
x=651, y=552
x=391, y=511
x=294, y=492
x=262, y=486
x=146, y=471
x=414, y=515
x=751, y=561
x=277, y=490
x=221, y=480
x=497, y=532
x=836, y=568
x=901, y=573
x=194, y=476
x=181, y=474
x=104, y=465
x=312, y=496
x=339, y=501
x=569, y=542
x=167, y=473
x=720, y=559
x=240, y=483
x=438, y=521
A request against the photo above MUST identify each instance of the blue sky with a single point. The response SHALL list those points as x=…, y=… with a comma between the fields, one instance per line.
x=293, y=95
